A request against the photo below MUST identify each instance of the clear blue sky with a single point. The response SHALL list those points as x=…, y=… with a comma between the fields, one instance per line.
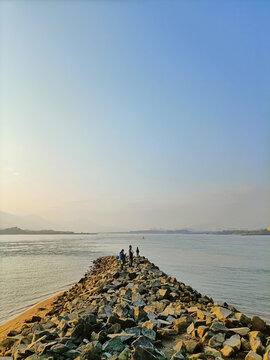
x=144, y=106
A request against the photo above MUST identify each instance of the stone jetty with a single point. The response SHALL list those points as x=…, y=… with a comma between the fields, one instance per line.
x=137, y=314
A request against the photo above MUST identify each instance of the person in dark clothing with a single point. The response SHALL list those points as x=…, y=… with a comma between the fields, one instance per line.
x=137, y=251
x=130, y=254
x=122, y=258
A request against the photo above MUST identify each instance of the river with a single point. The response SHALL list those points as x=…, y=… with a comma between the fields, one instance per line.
x=228, y=268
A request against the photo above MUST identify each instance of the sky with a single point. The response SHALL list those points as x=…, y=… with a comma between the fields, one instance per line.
x=123, y=115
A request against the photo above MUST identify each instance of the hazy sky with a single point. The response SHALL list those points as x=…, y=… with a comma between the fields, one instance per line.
x=136, y=114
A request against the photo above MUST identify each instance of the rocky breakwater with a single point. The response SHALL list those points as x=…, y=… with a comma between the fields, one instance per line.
x=141, y=314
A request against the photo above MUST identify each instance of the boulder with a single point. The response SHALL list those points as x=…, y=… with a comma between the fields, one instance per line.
x=221, y=313
x=258, y=323
x=121, y=311
x=139, y=313
x=122, y=336
x=245, y=345
x=142, y=341
x=203, y=314
x=191, y=331
x=201, y=330
x=217, y=326
x=227, y=351
x=166, y=333
x=125, y=354
x=91, y=351
x=253, y=356
x=135, y=331
x=59, y=348
x=113, y=345
x=162, y=294
x=243, y=319
x=114, y=329
x=180, y=346
x=150, y=334
x=242, y=331
x=255, y=340
x=192, y=346
x=105, y=311
x=181, y=324
x=208, y=351
x=142, y=353
x=216, y=341
x=234, y=342
x=127, y=322
x=266, y=356
x=178, y=356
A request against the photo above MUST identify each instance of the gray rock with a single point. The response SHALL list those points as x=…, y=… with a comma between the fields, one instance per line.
x=122, y=336
x=142, y=353
x=166, y=333
x=113, y=345
x=227, y=351
x=267, y=353
x=72, y=354
x=217, y=326
x=208, y=351
x=125, y=354
x=114, y=329
x=136, y=331
x=91, y=351
x=216, y=341
x=162, y=294
x=192, y=346
x=121, y=311
x=180, y=347
x=201, y=330
x=142, y=341
x=234, y=342
x=59, y=348
x=178, y=356
x=150, y=334
x=191, y=330
x=139, y=313
x=256, y=343
x=181, y=324
x=221, y=313
x=253, y=356
x=243, y=331
x=105, y=311
x=258, y=323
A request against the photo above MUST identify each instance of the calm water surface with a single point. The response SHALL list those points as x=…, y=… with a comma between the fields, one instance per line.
x=228, y=268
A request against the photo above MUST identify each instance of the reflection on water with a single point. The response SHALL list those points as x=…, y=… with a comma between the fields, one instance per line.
x=228, y=268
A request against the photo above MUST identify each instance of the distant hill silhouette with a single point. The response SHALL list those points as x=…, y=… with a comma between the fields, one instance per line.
x=220, y=232
x=17, y=231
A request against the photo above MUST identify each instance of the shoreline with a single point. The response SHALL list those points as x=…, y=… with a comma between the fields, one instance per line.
x=39, y=309
x=140, y=313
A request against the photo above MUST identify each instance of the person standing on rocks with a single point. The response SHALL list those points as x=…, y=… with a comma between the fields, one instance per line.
x=122, y=258
x=130, y=253
x=137, y=251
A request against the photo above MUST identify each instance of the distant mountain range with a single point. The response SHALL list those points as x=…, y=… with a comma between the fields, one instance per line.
x=219, y=232
x=17, y=231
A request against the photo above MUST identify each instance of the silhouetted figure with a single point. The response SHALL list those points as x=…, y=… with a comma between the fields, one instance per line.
x=122, y=258
x=130, y=254
x=137, y=252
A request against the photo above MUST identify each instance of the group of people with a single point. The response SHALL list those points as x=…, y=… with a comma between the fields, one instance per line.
x=122, y=256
